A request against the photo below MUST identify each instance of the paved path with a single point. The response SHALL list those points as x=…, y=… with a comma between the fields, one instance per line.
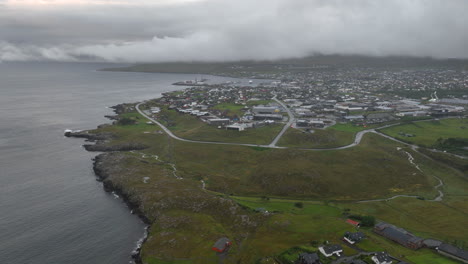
x=288, y=124
x=411, y=159
x=192, y=141
x=357, y=141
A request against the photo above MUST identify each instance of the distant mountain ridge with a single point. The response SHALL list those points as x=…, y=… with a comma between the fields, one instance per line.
x=297, y=64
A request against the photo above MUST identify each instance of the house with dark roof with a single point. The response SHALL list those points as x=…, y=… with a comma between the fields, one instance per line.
x=353, y=238
x=357, y=261
x=222, y=245
x=308, y=258
x=330, y=250
x=431, y=243
x=453, y=252
x=382, y=258
x=398, y=235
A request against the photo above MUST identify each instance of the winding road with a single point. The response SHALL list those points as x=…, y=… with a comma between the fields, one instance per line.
x=288, y=124
x=357, y=141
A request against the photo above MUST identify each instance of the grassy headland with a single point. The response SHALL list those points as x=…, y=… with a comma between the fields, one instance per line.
x=193, y=194
x=445, y=134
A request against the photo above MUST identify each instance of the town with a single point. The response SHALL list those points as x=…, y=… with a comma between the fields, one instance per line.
x=323, y=166
x=318, y=99
x=311, y=102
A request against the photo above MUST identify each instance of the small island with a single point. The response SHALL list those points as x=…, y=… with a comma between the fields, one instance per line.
x=272, y=174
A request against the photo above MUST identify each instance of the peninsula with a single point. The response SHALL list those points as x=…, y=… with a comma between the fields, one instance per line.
x=303, y=168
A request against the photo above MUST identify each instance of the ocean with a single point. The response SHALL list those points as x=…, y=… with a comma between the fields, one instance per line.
x=52, y=209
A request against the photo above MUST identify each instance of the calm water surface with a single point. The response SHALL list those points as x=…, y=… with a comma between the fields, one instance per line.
x=52, y=210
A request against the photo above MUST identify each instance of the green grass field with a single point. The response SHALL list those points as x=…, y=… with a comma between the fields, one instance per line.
x=239, y=180
x=320, y=138
x=230, y=109
x=190, y=127
x=426, y=133
x=349, y=127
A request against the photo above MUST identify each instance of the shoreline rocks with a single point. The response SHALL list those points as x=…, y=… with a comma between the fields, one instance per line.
x=102, y=163
x=102, y=147
x=90, y=137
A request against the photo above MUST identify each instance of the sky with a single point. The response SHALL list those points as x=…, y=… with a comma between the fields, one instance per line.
x=142, y=31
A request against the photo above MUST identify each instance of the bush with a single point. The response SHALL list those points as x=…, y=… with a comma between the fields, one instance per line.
x=366, y=220
x=299, y=204
x=126, y=121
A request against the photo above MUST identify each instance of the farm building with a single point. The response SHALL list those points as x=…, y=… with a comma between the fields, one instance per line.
x=222, y=245
x=352, y=222
x=218, y=121
x=398, y=235
x=236, y=127
x=453, y=252
x=431, y=243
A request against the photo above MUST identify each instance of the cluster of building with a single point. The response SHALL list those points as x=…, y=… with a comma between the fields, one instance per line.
x=202, y=101
x=319, y=113
x=391, y=232
x=321, y=98
x=359, y=81
x=407, y=239
x=351, y=238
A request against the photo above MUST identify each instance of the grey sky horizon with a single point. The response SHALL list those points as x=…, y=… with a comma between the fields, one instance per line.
x=229, y=30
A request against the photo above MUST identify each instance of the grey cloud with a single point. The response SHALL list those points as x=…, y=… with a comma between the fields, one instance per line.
x=233, y=30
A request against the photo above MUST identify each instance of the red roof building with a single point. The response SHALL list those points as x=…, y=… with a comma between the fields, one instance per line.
x=352, y=222
x=222, y=245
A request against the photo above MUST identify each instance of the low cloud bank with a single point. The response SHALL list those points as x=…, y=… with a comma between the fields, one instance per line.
x=239, y=30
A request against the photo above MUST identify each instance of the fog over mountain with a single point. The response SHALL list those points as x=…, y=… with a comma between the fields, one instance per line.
x=227, y=30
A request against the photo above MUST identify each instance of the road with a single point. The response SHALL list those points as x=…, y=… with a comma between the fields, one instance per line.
x=288, y=124
x=357, y=141
x=192, y=141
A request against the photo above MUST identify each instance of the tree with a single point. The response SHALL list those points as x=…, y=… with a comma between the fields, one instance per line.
x=126, y=121
x=299, y=204
x=368, y=220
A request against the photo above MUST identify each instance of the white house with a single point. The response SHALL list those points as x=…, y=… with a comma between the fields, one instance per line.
x=382, y=258
x=331, y=250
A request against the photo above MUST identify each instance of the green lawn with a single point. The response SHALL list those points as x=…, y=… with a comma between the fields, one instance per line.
x=423, y=218
x=294, y=227
x=431, y=258
x=188, y=219
x=382, y=170
x=190, y=127
x=426, y=133
x=349, y=127
x=320, y=138
x=303, y=228
x=230, y=109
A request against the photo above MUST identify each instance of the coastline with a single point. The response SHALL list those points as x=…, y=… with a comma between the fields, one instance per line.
x=108, y=186
x=134, y=207
x=183, y=208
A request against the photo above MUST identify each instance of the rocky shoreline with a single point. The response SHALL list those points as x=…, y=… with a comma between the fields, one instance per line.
x=100, y=169
x=101, y=165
